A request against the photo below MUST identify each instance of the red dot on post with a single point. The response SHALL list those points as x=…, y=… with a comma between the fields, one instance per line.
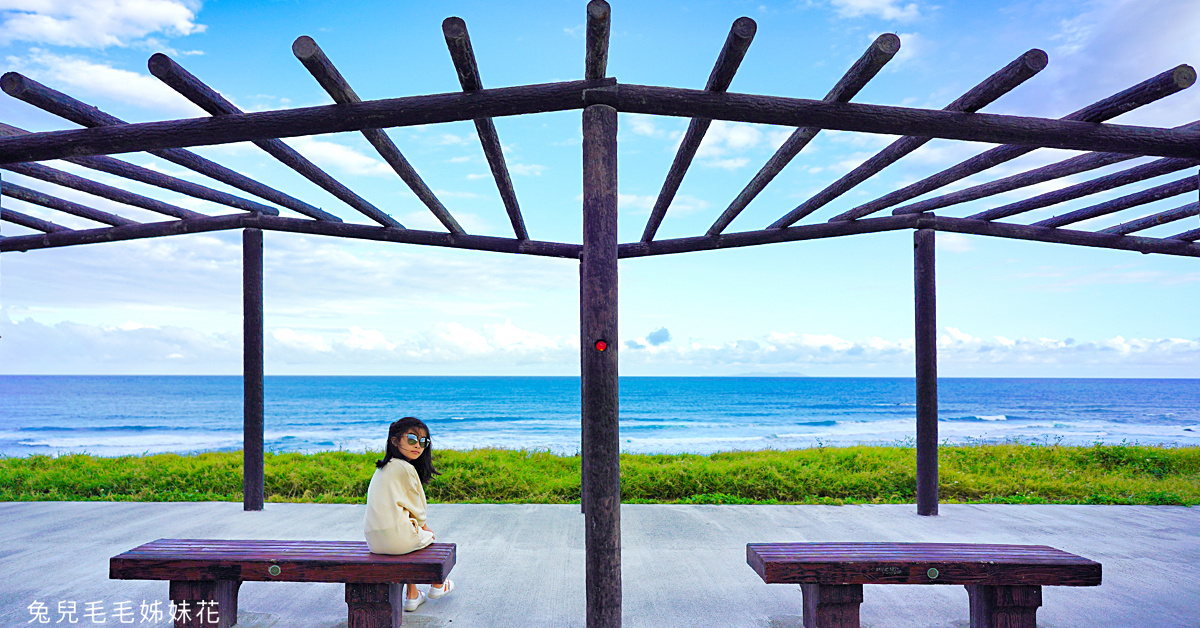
x=601, y=345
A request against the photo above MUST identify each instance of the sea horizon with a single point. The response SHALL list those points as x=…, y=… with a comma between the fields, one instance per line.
x=113, y=415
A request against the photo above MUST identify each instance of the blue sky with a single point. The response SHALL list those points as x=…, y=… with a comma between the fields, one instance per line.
x=840, y=307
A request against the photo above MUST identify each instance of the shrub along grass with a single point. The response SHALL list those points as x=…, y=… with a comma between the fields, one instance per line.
x=1007, y=473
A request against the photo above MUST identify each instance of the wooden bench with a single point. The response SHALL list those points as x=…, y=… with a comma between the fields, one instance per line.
x=1004, y=582
x=206, y=574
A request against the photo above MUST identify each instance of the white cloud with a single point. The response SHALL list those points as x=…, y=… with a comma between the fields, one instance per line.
x=885, y=9
x=94, y=23
x=343, y=158
x=527, y=169
x=83, y=78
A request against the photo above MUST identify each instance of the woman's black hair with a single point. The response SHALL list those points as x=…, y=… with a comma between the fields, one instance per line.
x=424, y=462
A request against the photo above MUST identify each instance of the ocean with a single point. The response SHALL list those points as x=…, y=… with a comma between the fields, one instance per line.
x=133, y=415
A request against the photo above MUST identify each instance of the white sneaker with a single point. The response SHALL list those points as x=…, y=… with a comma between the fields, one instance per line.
x=412, y=604
x=446, y=588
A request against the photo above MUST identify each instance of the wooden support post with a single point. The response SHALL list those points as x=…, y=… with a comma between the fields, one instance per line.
x=374, y=605
x=925, y=296
x=252, y=369
x=1004, y=606
x=598, y=366
x=831, y=605
x=204, y=603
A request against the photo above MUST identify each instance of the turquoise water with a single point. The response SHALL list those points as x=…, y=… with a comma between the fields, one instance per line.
x=116, y=415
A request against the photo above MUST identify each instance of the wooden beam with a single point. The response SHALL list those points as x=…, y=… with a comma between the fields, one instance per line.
x=1150, y=170
x=971, y=127
x=459, y=43
x=62, y=105
x=1165, y=246
x=1156, y=193
x=877, y=55
x=598, y=366
x=22, y=193
x=416, y=236
x=215, y=104
x=925, y=316
x=1190, y=235
x=994, y=86
x=766, y=236
x=157, y=179
x=741, y=33
x=595, y=64
x=1148, y=91
x=322, y=69
x=1154, y=220
x=72, y=237
x=68, y=180
x=252, y=369
x=25, y=220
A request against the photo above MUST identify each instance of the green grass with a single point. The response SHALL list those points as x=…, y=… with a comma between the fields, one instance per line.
x=1008, y=473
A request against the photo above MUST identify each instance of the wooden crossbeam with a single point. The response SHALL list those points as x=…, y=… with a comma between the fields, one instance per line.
x=1166, y=246
x=458, y=41
x=1146, y=92
x=1058, y=170
x=741, y=33
x=145, y=175
x=1154, y=220
x=1006, y=79
x=203, y=96
x=872, y=61
x=25, y=220
x=595, y=64
x=72, y=237
x=1156, y=193
x=1150, y=170
x=322, y=69
x=766, y=236
x=28, y=195
x=75, y=182
x=64, y=106
x=1190, y=235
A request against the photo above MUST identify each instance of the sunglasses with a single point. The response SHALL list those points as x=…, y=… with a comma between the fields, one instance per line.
x=415, y=441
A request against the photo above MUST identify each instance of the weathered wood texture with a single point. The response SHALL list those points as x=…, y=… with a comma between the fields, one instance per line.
x=911, y=563
x=31, y=222
x=253, y=386
x=741, y=33
x=877, y=55
x=75, y=182
x=71, y=237
x=57, y=103
x=1190, y=235
x=1166, y=246
x=458, y=41
x=1004, y=606
x=925, y=354
x=831, y=605
x=765, y=236
x=1154, y=220
x=1148, y=91
x=994, y=86
x=203, y=96
x=22, y=193
x=1149, y=195
x=297, y=561
x=374, y=605
x=157, y=179
x=598, y=366
x=199, y=602
x=1095, y=186
x=322, y=69
x=599, y=19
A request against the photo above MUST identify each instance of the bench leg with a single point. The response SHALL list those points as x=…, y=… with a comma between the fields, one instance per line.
x=374, y=605
x=831, y=605
x=1004, y=606
x=197, y=602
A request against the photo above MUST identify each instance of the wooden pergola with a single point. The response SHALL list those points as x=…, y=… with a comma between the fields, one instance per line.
x=600, y=98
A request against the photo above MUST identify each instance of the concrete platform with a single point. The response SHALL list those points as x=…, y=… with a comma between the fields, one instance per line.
x=522, y=565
